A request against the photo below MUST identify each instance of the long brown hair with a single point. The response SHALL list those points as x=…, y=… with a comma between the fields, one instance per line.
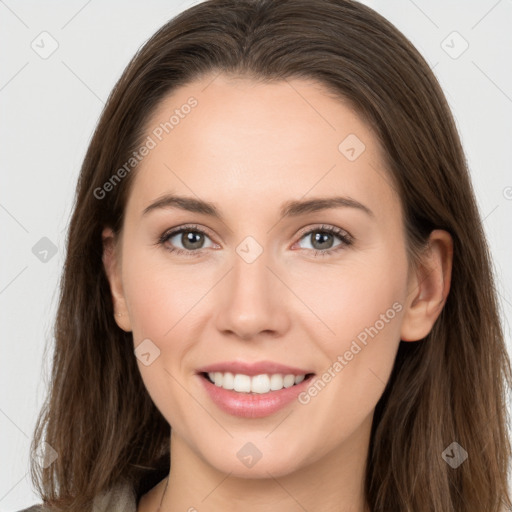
x=449, y=387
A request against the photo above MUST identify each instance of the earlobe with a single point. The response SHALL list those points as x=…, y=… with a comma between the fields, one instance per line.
x=112, y=270
x=429, y=287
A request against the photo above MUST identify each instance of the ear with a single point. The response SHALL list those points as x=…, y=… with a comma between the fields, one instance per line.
x=428, y=287
x=112, y=264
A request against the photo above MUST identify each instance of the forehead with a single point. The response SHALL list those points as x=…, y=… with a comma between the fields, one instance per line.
x=221, y=138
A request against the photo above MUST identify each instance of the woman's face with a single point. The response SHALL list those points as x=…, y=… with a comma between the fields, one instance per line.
x=251, y=289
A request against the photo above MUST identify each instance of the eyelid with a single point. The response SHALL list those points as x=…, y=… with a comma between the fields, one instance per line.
x=325, y=227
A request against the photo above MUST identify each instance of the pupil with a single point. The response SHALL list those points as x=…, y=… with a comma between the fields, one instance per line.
x=319, y=236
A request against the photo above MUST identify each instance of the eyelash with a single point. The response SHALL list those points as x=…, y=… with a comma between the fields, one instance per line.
x=345, y=238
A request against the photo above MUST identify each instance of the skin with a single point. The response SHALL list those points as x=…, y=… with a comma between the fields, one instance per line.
x=248, y=148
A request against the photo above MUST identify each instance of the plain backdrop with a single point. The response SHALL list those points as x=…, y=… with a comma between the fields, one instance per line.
x=50, y=105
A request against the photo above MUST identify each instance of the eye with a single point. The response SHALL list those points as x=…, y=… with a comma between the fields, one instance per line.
x=191, y=237
x=322, y=239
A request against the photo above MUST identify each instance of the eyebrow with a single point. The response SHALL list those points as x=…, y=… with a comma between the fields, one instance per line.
x=292, y=208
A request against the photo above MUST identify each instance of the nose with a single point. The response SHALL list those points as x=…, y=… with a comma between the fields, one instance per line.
x=252, y=300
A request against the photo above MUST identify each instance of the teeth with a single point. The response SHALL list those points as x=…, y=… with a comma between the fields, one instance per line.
x=258, y=384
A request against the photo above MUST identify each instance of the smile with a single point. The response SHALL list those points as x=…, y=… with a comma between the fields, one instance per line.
x=263, y=383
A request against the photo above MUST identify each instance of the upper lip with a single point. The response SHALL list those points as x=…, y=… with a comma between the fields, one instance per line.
x=252, y=369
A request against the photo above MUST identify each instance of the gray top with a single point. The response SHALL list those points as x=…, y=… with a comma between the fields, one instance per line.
x=120, y=498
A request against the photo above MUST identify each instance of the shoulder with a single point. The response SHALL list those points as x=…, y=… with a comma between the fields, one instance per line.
x=120, y=498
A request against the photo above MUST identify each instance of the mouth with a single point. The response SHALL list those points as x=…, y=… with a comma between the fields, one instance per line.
x=261, y=384
x=253, y=396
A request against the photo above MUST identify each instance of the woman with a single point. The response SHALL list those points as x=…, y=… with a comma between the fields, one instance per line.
x=203, y=321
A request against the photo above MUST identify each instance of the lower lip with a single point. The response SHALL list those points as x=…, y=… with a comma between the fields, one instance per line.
x=252, y=405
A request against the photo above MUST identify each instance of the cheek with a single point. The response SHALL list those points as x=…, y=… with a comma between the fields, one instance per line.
x=362, y=307
x=159, y=295
x=159, y=298
x=352, y=297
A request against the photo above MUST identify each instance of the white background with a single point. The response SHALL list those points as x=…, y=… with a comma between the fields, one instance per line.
x=49, y=108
